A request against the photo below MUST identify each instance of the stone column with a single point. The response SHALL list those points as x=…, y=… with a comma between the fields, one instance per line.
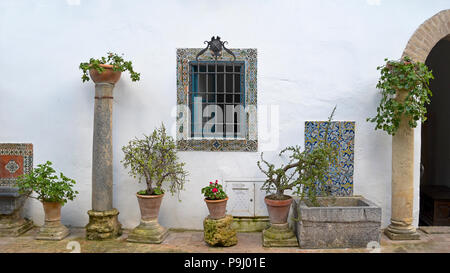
x=401, y=227
x=103, y=221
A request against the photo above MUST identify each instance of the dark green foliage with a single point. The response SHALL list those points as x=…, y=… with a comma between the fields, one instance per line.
x=154, y=159
x=118, y=63
x=47, y=185
x=214, y=191
x=305, y=171
x=407, y=76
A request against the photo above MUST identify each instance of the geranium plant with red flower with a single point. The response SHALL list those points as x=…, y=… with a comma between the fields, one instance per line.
x=214, y=191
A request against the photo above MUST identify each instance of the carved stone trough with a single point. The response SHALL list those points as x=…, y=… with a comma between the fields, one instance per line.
x=338, y=222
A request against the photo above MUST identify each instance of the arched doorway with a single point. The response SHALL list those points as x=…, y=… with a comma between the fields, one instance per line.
x=404, y=189
x=435, y=144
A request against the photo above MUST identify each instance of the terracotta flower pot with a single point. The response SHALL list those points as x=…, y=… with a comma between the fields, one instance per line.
x=52, y=211
x=107, y=76
x=278, y=210
x=217, y=208
x=149, y=205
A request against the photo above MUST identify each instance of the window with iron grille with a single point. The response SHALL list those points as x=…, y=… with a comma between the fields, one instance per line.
x=216, y=101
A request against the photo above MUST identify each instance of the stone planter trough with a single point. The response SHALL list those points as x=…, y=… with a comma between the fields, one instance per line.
x=338, y=222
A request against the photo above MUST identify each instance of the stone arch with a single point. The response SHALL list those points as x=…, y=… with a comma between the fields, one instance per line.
x=427, y=35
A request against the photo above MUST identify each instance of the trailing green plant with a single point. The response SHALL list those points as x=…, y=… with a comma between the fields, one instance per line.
x=117, y=62
x=154, y=159
x=402, y=75
x=214, y=191
x=305, y=171
x=48, y=186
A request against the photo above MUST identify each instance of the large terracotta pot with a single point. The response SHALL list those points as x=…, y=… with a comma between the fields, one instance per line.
x=52, y=211
x=278, y=210
x=217, y=208
x=107, y=76
x=149, y=206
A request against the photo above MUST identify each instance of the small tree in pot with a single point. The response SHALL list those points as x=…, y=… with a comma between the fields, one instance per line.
x=154, y=160
x=304, y=174
x=53, y=191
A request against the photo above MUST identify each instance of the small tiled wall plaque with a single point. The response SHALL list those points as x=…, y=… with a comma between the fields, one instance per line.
x=341, y=134
x=15, y=160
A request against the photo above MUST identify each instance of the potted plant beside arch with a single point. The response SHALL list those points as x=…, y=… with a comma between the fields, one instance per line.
x=107, y=69
x=53, y=191
x=405, y=91
x=404, y=86
x=154, y=160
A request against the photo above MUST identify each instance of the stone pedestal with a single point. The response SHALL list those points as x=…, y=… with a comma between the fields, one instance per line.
x=219, y=232
x=149, y=232
x=279, y=235
x=52, y=230
x=15, y=159
x=103, y=222
x=103, y=225
x=13, y=225
x=401, y=227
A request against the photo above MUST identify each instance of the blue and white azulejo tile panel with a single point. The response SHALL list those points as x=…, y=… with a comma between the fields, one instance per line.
x=342, y=135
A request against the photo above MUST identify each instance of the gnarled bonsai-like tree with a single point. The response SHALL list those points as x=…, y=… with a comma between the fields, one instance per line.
x=154, y=159
x=304, y=173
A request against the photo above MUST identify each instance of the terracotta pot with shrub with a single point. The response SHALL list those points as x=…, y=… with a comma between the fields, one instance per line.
x=216, y=200
x=154, y=160
x=53, y=191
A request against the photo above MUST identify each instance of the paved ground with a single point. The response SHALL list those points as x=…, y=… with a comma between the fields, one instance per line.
x=192, y=241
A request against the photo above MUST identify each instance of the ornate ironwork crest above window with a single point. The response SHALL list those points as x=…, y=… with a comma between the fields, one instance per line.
x=216, y=46
x=216, y=98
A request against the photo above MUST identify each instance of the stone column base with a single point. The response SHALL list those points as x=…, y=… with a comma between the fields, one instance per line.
x=148, y=232
x=396, y=232
x=103, y=225
x=279, y=235
x=52, y=230
x=11, y=227
x=219, y=232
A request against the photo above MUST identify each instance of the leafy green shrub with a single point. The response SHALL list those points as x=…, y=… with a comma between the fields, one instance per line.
x=403, y=75
x=154, y=159
x=47, y=185
x=118, y=63
x=214, y=191
x=304, y=172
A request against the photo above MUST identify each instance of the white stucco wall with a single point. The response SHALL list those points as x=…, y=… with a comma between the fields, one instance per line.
x=312, y=55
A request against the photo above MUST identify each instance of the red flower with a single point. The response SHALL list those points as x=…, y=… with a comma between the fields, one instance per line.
x=216, y=181
x=214, y=190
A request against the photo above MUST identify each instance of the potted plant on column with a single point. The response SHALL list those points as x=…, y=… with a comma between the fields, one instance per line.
x=218, y=230
x=107, y=69
x=216, y=200
x=53, y=191
x=304, y=174
x=405, y=92
x=154, y=160
x=105, y=72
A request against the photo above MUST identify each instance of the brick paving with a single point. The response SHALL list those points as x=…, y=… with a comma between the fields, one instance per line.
x=192, y=241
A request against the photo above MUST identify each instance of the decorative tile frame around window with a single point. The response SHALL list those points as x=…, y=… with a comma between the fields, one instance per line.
x=342, y=135
x=184, y=142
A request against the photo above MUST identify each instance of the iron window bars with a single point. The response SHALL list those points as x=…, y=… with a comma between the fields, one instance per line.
x=217, y=86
